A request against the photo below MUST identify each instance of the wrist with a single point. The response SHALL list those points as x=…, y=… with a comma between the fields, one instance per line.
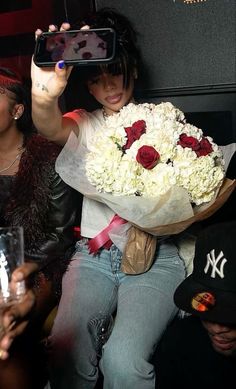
x=40, y=93
x=43, y=99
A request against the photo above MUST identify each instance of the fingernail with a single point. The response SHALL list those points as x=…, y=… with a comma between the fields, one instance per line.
x=61, y=64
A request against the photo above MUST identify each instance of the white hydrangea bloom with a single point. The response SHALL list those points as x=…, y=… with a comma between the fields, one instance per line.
x=113, y=168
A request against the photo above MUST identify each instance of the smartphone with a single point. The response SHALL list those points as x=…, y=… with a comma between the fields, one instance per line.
x=75, y=47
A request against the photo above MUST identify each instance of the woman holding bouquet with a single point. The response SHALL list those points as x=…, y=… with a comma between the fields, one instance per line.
x=95, y=287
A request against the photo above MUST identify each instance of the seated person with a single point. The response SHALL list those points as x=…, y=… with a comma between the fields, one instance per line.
x=199, y=351
x=35, y=197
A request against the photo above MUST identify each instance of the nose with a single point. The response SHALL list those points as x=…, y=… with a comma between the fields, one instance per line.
x=108, y=81
x=217, y=328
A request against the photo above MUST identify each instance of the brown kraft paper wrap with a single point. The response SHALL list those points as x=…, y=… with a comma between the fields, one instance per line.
x=140, y=249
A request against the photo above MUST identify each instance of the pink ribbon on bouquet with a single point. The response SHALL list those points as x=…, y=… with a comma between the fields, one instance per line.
x=103, y=239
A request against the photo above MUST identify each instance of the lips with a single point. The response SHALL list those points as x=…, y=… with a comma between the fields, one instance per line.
x=222, y=343
x=114, y=99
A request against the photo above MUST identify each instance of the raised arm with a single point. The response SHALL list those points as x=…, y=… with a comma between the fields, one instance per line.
x=48, y=84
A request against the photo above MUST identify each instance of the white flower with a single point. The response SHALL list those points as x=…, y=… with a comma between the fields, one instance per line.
x=178, y=151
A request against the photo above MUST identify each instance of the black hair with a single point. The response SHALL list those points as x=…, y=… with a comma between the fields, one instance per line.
x=127, y=53
x=13, y=83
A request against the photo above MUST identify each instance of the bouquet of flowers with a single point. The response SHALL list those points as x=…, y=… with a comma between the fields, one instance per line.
x=153, y=169
x=147, y=149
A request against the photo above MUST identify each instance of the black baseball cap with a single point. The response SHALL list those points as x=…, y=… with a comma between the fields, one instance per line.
x=210, y=291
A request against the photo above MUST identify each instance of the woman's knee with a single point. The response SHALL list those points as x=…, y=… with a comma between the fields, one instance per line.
x=122, y=364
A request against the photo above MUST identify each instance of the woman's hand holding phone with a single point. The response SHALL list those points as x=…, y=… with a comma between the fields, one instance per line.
x=49, y=83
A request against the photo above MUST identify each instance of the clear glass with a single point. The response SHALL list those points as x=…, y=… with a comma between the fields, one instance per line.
x=11, y=257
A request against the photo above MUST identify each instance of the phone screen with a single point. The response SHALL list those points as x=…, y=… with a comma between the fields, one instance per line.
x=79, y=47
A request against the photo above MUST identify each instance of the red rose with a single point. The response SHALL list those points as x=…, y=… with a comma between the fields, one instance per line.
x=139, y=127
x=147, y=156
x=188, y=141
x=134, y=132
x=205, y=147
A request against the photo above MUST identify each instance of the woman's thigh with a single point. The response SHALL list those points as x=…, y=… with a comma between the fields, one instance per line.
x=88, y=291
x=145, y=304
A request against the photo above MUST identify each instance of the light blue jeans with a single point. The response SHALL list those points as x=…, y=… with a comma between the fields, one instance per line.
x=94, y=288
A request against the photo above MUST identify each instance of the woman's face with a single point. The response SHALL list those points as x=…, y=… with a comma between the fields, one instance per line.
x=109, y=91
x=223, y=337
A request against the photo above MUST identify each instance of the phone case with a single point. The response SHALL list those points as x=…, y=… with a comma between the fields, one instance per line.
x=75, y=47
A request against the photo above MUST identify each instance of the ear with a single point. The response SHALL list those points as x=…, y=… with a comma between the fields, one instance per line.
x=18, y=111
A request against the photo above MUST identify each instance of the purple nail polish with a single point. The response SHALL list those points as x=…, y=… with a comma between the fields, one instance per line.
x=61, y=64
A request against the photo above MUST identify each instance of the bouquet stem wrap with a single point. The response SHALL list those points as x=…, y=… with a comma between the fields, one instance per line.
x=103, y=239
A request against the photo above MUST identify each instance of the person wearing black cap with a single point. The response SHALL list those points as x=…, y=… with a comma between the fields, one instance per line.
x=199, y=350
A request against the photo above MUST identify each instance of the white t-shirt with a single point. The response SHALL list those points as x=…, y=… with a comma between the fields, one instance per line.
x=95, y=215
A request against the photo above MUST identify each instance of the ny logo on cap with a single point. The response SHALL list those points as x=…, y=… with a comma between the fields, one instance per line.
x=213, y=262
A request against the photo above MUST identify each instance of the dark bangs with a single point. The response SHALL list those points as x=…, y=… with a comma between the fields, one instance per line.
x=121, y=65
x=127, y=55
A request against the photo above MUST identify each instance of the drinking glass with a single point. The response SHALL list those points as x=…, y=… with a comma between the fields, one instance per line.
x=11, y=256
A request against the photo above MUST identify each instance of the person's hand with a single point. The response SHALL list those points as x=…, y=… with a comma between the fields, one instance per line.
x=15, y=318
x=49, y=83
